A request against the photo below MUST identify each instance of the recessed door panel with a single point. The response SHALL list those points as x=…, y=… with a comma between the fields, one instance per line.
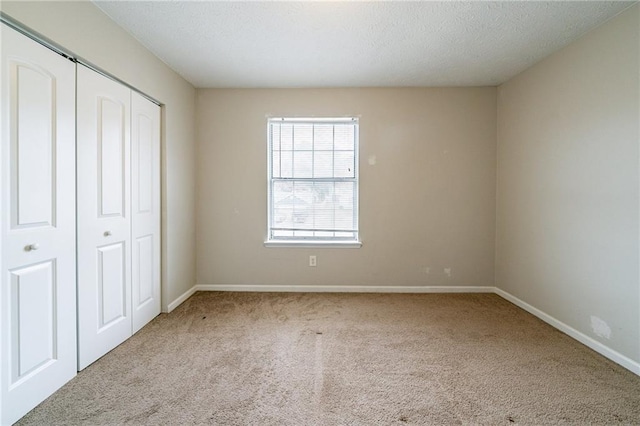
x=111, y=156
x=33, y=311
x=104, y=223
x=37, y=224
x=144, y=164
x=33, y=145
x=145, y=270
x=111, y=284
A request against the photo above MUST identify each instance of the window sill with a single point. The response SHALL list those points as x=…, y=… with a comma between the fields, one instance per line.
x=314, y=244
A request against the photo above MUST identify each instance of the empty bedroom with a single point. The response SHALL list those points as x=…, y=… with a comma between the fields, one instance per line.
x=319, y=212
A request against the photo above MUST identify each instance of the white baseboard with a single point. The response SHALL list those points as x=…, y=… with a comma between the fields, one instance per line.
x=602, y=349
x=343, y=289
x=184, y=296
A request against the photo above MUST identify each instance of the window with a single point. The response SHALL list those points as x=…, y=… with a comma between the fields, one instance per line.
x=313, y=180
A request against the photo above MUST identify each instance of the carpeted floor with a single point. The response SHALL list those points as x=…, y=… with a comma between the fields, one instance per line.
x=346, y=359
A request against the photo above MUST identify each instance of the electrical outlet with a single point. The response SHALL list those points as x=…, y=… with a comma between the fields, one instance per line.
x=447, y=272
x=312, y=261
x=427, y=270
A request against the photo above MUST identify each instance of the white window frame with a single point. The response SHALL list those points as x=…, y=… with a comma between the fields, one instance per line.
x=271, y=241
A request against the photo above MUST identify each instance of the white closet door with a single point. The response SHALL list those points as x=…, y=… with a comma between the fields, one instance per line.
x=38, y=281
x=104, y=223
x=145, y=210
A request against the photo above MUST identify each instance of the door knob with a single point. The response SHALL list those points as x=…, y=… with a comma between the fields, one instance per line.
x=32, y=247
x=107, y=233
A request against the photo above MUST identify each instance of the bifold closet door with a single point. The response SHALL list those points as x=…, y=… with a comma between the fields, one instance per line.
x=145, y=210
x=37, y=255
x=104, y=219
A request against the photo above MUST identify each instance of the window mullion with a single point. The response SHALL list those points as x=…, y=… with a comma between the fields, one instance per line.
x=293, y=151
x=280, y=146
x=333, y=172
x=313, y=175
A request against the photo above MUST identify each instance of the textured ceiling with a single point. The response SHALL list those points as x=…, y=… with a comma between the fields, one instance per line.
x=355, y=44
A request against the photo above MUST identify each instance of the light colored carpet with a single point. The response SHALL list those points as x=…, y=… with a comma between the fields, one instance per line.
x=346, y=359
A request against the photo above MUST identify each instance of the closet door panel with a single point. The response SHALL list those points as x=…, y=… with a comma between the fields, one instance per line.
x=111, y=150
x=104, y=222
x=144, y=264
x=34, y=145
x=37, y=255
x=145, y=199
x=33, y=291
x=112, y=285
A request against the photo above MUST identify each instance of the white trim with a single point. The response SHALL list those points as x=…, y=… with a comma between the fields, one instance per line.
x=184, y=296
x=602, y=349
x=343, y=289
x=313, y=120
x=313, y=244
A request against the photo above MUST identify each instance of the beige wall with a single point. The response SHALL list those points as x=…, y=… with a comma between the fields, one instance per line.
x=83, y=29
x=429, y=200
x=568, y=217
